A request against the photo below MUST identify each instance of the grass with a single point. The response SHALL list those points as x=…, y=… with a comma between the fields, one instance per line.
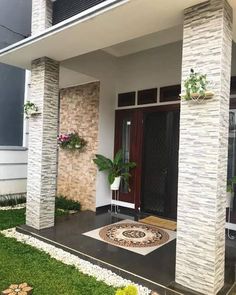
x=11, y=218
x=22, y=263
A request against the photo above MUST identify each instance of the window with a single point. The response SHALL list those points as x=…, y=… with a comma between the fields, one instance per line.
x=147, y=96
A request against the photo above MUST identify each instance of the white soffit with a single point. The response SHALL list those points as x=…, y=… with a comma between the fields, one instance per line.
x=146, y=42
x=87, y=32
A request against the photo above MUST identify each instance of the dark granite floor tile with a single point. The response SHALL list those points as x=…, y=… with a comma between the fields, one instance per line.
x=155, y=270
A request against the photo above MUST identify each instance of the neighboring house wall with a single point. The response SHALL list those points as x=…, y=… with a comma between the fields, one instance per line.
x=79, y=111
x=63, y=9
x=14, y=25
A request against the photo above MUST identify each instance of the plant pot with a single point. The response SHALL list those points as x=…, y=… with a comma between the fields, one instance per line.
x=196, y=97
x=229, y=200
x=116, y=184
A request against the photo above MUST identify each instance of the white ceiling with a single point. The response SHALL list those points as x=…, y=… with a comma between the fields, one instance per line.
x=130, y=20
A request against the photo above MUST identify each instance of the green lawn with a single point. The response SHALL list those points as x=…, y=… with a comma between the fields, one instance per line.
x=11, y=218
x=22, y=263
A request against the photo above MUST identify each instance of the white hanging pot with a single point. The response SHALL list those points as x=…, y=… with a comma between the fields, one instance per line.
x=116, y=184
x=229, y=200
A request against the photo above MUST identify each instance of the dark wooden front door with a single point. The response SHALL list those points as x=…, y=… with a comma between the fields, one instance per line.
x=150, y=136
x=160, y=163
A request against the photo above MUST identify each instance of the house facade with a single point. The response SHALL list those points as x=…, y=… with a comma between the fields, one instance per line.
x=14, y=26
x=112, y=71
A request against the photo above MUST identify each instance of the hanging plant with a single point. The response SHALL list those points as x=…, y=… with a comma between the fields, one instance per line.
x=71, y=141
x=196, y=88
x=30, y=109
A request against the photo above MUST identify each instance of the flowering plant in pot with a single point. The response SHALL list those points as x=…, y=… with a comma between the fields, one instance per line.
x=230, y=192
x=117, y=168
x=71, y=141
x=196, y=87
x=30, y=109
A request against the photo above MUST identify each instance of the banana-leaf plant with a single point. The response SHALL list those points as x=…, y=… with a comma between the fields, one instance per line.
x=115, y=168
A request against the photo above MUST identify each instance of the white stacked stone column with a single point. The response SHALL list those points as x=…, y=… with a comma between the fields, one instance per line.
x=207, y=45
x=42, y=157
x=41, y=16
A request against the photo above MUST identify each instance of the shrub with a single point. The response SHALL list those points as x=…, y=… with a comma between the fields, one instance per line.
x=128, y=290
x=12, y=200
x=66, y=204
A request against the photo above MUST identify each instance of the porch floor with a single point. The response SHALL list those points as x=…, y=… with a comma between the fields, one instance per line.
x=155, y=270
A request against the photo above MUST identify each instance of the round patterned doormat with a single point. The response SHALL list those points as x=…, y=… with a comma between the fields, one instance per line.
x=133, y=235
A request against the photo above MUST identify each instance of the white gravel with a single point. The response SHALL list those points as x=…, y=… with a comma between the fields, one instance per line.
x=101, y=274
x=20, y=206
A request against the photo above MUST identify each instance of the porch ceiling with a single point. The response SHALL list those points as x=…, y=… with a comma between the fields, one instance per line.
x=92, y=30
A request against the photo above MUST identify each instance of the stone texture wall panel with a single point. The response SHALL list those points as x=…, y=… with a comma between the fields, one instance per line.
x=79, y=109
x=42, y=155
x=203, y=150
x=41, y=15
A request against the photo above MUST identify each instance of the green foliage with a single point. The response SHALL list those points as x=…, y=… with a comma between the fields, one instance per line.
x=66, y=204
x=23, y=263
x=114, y=168
x=30, y=108
x=230, y=184
x=128, y=290
x=195, y=83
x=10, y=200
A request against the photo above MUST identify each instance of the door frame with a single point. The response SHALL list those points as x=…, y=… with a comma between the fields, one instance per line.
x=137, y=152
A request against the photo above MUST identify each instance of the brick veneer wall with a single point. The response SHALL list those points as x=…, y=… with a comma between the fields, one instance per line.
x=79, y=109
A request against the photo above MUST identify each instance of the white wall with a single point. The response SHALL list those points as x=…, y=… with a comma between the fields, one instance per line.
x=155, y=67
x=13, y=170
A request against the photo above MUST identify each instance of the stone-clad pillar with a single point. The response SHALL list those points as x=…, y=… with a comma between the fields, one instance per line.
x=207, y=45
x=42, y=157
x=41, y=16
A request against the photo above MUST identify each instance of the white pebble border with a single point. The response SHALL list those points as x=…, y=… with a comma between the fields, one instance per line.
x=15, y=207
x=85, y=267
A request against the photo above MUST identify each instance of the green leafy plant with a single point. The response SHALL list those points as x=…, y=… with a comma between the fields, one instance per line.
x=230, y=184
x=195, y=86
x=12, y=200
x=66, y=204
x=30, y=109
x=128, y=290
x=116, y=167
x=71, y=141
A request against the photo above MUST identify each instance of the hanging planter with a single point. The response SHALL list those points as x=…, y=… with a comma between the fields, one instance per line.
x=71, y=141
x=196, y=88
x=30, y=109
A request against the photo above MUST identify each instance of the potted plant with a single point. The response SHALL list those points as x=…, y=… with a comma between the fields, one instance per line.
x=196, y=87
x=230, y=190
x=30, y=109
x=71, y=141
x=117, y=169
